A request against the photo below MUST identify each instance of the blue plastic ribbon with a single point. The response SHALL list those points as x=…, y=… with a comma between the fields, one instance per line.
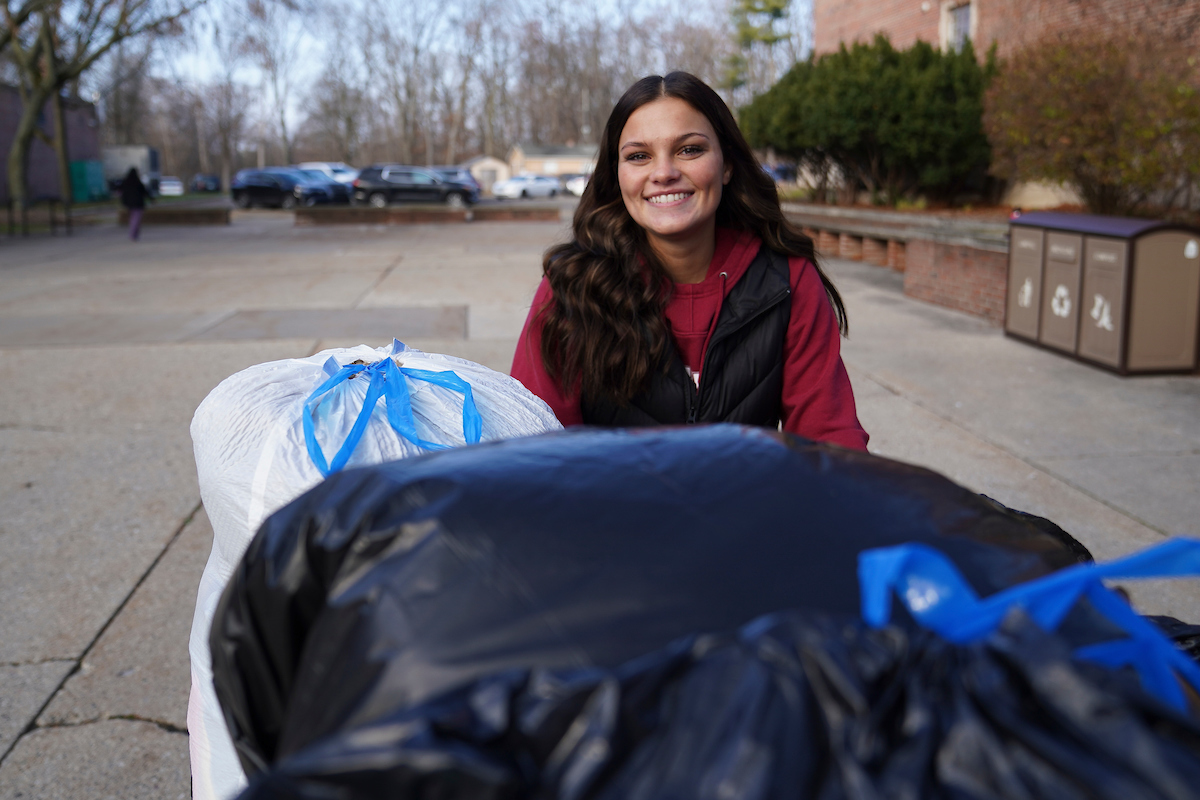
x=939, y=599
x=387, y=381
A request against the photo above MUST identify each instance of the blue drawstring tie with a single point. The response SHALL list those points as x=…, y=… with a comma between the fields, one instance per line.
x=939, y=599
x=387, y=381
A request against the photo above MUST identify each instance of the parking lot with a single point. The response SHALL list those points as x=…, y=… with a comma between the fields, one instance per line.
x=107, y=347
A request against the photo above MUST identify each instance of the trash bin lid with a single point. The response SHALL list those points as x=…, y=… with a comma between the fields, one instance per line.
x=1117, y=227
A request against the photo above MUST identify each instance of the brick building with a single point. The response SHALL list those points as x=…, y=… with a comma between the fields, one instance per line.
x=1010, y=24
x=83, y=142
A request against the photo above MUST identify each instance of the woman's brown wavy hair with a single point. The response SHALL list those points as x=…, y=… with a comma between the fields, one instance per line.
x=605, y=331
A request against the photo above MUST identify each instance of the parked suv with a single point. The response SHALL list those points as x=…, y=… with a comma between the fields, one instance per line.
x=460, y=174
x=282, y=187
x=383, y=184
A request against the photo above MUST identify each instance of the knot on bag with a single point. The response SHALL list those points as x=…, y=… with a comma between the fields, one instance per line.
x=940, y=599
x=388, y=380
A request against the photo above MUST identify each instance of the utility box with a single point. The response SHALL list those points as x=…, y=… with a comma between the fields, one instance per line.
x=1117, y=292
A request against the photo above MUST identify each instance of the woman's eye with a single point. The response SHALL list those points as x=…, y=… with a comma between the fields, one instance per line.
x=692, y=150
x=636, y=157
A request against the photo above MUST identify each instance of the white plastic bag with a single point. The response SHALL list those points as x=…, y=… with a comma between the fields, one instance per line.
x=252, y=458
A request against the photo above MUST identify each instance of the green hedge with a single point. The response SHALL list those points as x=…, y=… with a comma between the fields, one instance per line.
x=895, y=122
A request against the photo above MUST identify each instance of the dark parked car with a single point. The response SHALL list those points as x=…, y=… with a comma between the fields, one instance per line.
x=383, y=184
x=459, y=174
x=281, y=187
x=205, y=183
x=338, y=192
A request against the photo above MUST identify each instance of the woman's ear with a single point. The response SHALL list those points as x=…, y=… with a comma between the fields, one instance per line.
x=728, y=174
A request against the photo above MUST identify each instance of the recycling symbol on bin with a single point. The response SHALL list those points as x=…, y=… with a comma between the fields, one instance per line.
x=1060, y=304
x=1102, y=313
x=1025, y=296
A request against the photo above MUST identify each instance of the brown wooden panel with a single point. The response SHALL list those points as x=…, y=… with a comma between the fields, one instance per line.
x=1060, y=291
x=1024, y=282
x=1102, y=325
x=1164, y=302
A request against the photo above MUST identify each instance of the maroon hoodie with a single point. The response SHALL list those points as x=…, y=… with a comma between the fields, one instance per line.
x=817, y=401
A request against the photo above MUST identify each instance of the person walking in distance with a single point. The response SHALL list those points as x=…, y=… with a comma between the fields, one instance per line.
x=133, y=196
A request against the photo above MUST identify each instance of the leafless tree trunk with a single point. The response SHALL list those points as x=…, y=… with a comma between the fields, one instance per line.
x=275, y=33
x=49, y=54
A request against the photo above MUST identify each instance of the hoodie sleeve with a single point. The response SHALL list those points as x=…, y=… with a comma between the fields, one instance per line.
x=818, y=402
x=530, y=370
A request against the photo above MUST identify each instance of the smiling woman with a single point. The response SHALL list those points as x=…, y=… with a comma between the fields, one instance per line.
x=685, y=296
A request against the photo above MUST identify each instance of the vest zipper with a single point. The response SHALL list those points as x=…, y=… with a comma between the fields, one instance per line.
x=694, y=394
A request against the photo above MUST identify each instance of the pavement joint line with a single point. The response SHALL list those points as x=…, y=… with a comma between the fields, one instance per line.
x=383, y=276
x=40, y=661
x=1043, y=468
x=32, y=726
x=1126, y=454
x=227, y=315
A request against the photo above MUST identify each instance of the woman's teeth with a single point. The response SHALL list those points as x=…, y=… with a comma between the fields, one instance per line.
x=669, y=198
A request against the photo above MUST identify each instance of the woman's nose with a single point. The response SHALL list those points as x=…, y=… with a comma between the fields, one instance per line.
x=664, y=171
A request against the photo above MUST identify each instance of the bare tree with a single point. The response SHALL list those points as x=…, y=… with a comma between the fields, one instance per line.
x=471, y=27
x=421, y=81
x=275, y=35
x=123, y=88
x=56, y=44
x=338, y=98
x=404, y=33
x=227, y=100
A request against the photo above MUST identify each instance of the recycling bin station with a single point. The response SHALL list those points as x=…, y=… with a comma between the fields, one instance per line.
x=1113, y=291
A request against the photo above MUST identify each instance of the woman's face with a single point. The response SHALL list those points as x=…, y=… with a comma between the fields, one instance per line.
x=671, y=170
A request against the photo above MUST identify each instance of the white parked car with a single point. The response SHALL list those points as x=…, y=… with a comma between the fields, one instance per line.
x=169, y=186
x=577, y=184
x=334, y=170
x=526, y=186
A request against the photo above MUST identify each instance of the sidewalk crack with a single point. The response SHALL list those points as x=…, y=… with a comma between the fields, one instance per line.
x=103, y=628
x=166, y=726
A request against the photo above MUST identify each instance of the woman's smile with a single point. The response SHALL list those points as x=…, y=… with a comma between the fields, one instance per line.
x=669, y=199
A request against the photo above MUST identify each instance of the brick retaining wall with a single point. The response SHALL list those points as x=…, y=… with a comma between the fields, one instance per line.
x=165, y=215
x=956, y=276
x=953, y=262
x=410, y=215
x=369, y=215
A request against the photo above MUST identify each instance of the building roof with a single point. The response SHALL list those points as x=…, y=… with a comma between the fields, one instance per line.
x=578, y=151
x=477, y=159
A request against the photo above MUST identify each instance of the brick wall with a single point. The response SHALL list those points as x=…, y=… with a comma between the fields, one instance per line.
x=836, y=21
x=1015, y=23
x=959, y=277
x=1009, y=23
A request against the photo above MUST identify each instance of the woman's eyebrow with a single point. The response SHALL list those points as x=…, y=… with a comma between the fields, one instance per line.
x=677, y=140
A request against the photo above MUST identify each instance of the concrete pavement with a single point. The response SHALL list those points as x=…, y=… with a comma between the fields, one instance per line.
x=107, y=347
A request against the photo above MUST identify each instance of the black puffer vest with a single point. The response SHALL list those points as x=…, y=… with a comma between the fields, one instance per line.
x=741, y=379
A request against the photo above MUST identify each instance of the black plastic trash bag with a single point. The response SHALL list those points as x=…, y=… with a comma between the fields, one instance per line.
x=795, y=705
x=385, y=587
